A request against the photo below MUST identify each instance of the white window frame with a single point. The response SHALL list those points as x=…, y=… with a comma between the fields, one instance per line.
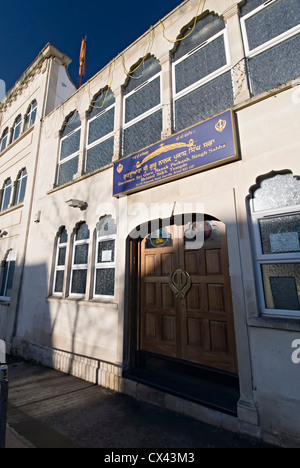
x=6, y=186
x=206, y=79
x=75, y=266
x=59, y=267
x=17, y=125
x=100, y=140
x=4, y=138
x=71, y=156
x=267, y=259
x=147, y=113
x=104, y=265
x=28, y=123
x=272, y=42
x=11, y=257
x=20, y=181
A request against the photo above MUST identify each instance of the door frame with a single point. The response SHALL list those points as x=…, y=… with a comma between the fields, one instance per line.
x=133, y=269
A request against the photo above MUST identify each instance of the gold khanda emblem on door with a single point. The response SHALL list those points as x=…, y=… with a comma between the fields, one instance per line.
x=180, y=283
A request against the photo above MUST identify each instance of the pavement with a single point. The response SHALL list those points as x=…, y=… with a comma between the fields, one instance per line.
x=50, y=409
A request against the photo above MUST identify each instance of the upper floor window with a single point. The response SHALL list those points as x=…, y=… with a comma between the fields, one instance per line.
x=202, y=82
x=142, y=118
x=69, y=150
x=275, y=214
x=6, y=195
x=271, y=32
x=7, y=269
x=104, y=280
x=60, y=261
x=20, y=187
x=80, y=260
x=30, y=115
x=100, y=137
x=16, y=130
x=4, y=138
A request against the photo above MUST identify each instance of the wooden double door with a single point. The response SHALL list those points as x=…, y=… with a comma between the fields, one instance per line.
x=186, y=308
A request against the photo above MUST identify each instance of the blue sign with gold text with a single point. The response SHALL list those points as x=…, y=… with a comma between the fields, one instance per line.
x=208, y=144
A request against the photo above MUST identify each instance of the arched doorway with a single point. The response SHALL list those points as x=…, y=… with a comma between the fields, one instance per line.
x=182, y=318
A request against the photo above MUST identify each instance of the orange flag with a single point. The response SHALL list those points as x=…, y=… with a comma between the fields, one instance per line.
x=82, y=60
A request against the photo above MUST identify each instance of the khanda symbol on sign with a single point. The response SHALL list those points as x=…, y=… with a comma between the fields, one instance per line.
x=180, y=283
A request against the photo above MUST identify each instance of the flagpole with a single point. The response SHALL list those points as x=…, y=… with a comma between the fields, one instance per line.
x=82, y=58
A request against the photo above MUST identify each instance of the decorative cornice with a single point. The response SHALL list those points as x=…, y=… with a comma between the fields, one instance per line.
x=49, y=51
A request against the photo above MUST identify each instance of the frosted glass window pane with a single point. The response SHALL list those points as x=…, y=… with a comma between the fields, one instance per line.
x=63, y=237
x=251, y=5
x=272, y=21
x=275, y=66
x=70, y=145
x=143, y=133
x=67, y=171
x=204, y=102
x=106, y=251
x=101, y=126
x=204, y=30
x=102, y=102
x=82, y=232
x=81, y=254
x=145, y=71
x=61, y=256
x=280, y=235
x=143, y=100
x=72, y=123
x=200, y=64
x=106, y=227
x=105, y=282
x=277, y=192
x=282, y=286
x=59, y=280
x=100, y=155
x=78, y=281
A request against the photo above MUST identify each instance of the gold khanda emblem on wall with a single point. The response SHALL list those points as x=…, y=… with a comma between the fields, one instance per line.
x=220, y=125
x=180, y=283
x=120, y=168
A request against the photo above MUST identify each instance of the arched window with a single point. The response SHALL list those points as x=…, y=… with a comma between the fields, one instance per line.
x=69, y=150
x=79, y=260
x=275, y=215
x=142, y=118
x=104, y=279
x=271, y=32
x=30, y=115
x=202, y=82
x=4, y=140
x=16, y=130
x=60, y=261
x=100, y=138
x=20, y=187
x=6, y=275
x=6, y=195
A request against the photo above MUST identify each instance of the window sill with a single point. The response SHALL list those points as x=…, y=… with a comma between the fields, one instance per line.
x=5, y=302
x=106, y=303
x=11, y=208
x=276, y=323
x=15, y=142
x=79, y=179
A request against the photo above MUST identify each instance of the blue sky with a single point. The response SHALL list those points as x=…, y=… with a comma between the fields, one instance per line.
x=27, y=26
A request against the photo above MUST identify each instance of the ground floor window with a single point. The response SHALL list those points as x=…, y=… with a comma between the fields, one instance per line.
x=6, y=276
x=275, y=206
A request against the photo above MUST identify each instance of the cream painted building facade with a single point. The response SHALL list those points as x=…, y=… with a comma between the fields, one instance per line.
x=210, y=330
